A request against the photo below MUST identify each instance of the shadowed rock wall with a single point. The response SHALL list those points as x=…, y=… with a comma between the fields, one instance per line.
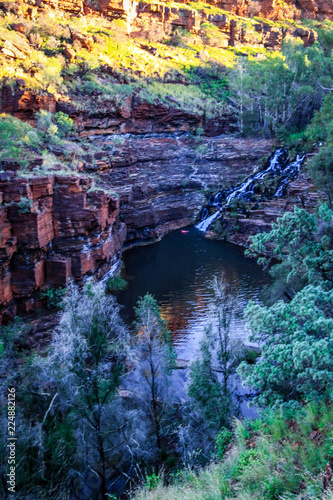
x=53, y=229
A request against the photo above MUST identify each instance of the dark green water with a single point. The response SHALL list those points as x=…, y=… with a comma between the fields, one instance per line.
x=178, y=272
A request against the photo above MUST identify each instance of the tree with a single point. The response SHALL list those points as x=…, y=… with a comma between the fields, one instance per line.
x=154, y=358
x=296, y=362
x=88, y=359
x=70, y=411
x=46, y=445
x=302, y=243
x=320, y=130
x=281, y=91
x=212, y=395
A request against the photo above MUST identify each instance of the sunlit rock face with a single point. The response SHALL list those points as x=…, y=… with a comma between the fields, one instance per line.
x=155, y=21
x=185, y=17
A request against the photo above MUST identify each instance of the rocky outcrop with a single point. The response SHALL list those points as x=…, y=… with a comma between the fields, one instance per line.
x=155, y=20
x=23, y=104
x=272, y=9
x=162, y=181
x=138, y=116
x=52, y=229
x=238, y=227
x=312, y=9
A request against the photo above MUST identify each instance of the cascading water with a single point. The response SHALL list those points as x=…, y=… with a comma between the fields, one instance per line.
x=278, y=165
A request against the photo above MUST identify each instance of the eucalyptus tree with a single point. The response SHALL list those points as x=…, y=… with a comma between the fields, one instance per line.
x=281, y=90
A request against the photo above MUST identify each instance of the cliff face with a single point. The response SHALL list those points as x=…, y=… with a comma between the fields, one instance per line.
x=57, y=227
x=52, y=229
x=162, y=181
x=272, y=9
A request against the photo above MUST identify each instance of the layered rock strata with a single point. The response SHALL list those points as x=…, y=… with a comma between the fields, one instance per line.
x=238, y=227
x=162, y=181
x=273, y=9
x=52, y=229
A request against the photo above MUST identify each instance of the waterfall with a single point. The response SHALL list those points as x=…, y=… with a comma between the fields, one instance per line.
x=278, y=165
x=204, y=225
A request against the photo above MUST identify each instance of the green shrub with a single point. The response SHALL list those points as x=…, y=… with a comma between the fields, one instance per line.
x=53, y=297
x=24, y=205
x=116, y=284
x=14, y=139
x=152, y=482
x=246, y=460
x=64, y=123
x=223, y=438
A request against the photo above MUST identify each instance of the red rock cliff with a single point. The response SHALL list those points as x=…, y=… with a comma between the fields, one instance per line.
x=52, y=229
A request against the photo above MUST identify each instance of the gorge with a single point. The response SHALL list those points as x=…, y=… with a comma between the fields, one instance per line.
x=166, y=249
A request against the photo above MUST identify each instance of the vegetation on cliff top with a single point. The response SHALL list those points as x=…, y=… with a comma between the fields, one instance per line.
x=75, y=57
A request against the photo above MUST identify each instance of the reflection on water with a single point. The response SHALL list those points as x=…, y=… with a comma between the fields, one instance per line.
x=178, y=272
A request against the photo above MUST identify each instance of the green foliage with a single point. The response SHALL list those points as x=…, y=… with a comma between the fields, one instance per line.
x=281, y=89
x=86, y=362
x=53, y=297
x=223, y=439
x=205, y=390
x=152, y=482
x=154, y=357
x=246, y=459
x=321, y=131
x=303, y=245
x=24, y=205
x=274, y=456
x=116, y=284
x=14, y=139
x=64, y=123
x=296, y=359
x=297, y=350
x=45, y=125
x=148, y=316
